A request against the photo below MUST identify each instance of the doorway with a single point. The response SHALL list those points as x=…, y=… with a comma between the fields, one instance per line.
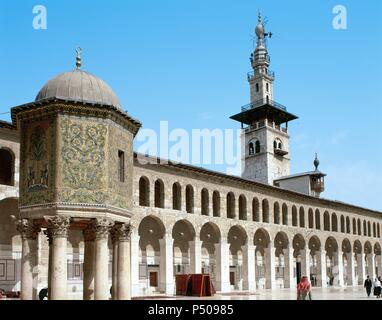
x=153, y=279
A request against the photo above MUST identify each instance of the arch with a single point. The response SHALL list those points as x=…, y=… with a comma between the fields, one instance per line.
x=310, y=218
x=183, y=232
x=374, y=230
x=189, y=199
x=237, y=237
x=298, y=243
x=357, y=247
x=367, y=248
x=368, y=229
x=281, y=240
x=348, y=225
x=285, y=214
x=210, y=232
x=302, y=217
x=342, y=219
x=176, y=196
x=314, y=244
x=294, y=216
x=354, y=226
x=216, y=204
x=205, y=202
x=251, y=149
x=261, y=238
x=144, y=192
x=276, y=213
x=257, y=146
x=334, y=222
x=318, y=219
x=255, y=210
x=159, y=193
x=377, y=249
x=231, y=214
x=364, y=228
x=150, y=230
x=359, y=226
x=265, y=205
x=346, y=246
x=242, y=207
x=331, y=244
x=7, y=167
x=326, y=221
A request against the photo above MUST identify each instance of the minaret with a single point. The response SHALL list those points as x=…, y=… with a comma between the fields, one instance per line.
x=265, y=139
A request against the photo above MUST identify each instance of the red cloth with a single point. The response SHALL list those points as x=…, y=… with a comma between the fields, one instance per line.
x=304, y=286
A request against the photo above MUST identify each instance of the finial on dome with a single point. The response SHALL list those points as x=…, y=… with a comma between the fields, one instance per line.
x=78, y=58
x=316, y=162
x=259, y=17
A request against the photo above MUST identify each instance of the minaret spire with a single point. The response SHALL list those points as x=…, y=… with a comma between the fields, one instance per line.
x=78, y=58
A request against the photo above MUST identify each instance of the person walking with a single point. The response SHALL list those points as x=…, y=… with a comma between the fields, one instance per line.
x=367, y=285
x=304, y=289
x=377, y=288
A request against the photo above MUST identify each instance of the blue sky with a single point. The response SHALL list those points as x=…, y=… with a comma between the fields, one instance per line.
x=186, y=62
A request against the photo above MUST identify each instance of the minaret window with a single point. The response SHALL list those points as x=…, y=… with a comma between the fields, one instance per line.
x=257, y=146
x=275, y=144
x=121, y=167
x=257, y=87
x=267, y=87
x=251, y=149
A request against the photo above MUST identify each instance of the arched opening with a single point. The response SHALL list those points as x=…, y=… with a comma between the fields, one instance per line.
x=176, y=196
x=265, y=206
x=368, y=229
x=359, y=226
x=257, y=146
x=205, y=202
x=347, y=225
x=216, y=204
x=242, y=207
x=183, y=232
x=364, y=228
x=144, y=192
x=237, y=238
x=342, y=224
x=310, y=219
x=231, y=214
x=300, y=258
x=302, y=217
x=159, y=194
x=255, y=210
x=285, y=214
x=7, y=164
x=151, y=230
x=314, y=246
x=374, y=230
x=347, y=267
x=358, y=263
x=276, y=213
x=210, y=236
x=378, y=231
x=354, y=226
x=331, y=248
x=334, y=222
x=262, y=270
x=294, y=216
x=189, y=199
x=251, y=149
x=281, y=243
x=326, y=221
x=318, y=219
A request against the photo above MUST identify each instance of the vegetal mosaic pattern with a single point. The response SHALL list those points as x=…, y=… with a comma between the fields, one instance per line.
x=37, y=165
x=83, y=159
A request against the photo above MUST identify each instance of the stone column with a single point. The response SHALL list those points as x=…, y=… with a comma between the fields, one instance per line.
x=249, y=282
x=114, y=285
x=289, y=266
x=340, y=265
x=48, y=234
x=350, y=269
x=101, y=228
x=166, y=264
x=134, y=244
x=270, y=274
x=321, y=279
x=29, y=234
x=305, y=262
x=222, y=265
x=123, y=281
x=371, y=263
x=361, y=267
x=379, y=264
x=59, y=227
x=196, y=255
x=89, y=260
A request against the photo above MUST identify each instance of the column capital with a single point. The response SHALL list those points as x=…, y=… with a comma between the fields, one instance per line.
x=27, y=229
x=59, y=226
x=101, y=227
x=121, y=232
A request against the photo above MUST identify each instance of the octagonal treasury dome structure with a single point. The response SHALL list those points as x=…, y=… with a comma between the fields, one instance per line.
x=79, y=86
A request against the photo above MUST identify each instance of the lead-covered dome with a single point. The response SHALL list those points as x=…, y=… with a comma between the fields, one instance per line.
x=78, y=85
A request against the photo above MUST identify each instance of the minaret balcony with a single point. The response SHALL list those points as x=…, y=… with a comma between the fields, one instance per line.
x=262, y=102
x=251, y=75
x=280, y=152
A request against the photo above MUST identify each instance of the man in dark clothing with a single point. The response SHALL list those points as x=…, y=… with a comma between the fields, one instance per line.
x=368, y=284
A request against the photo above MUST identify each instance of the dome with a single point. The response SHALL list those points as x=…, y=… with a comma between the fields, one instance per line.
x=78, y=85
